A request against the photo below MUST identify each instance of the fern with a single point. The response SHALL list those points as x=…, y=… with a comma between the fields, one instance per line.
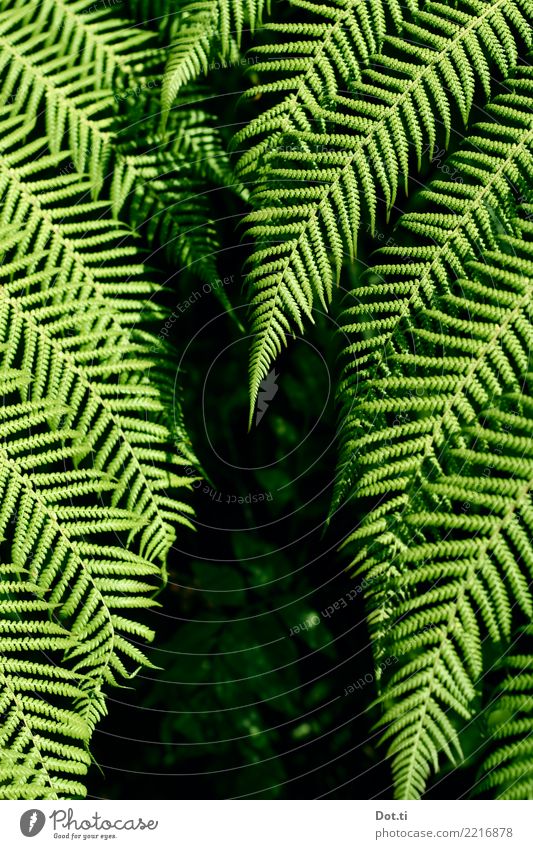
x=98, y=468
x=318, y=60
x=110, y=49
x=347, y=101
x=82, y=62
x=448, y=550
x=471, y=210
x=89, y=427
x=86, y=34
x=111, y=279
x=313, y=193
x=170, y=205
x=203, y=30
x=164, y=189
x=479, y=567
x=57, y=56
x=42, y=738
x=509, y=768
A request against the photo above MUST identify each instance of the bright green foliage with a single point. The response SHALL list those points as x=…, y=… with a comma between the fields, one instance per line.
x=86, y=35
x=88, y=68
x=201, y=31
x=53, y=55
x=42, y=738
x=74, y=317
x=89, y=476
x=103, y=299
x=90, y=471
x=95, y=77
x=464, y=573
x=509, y=768
x=464, y=214
x=85, y=66
x=316, y=187
x=449, y=550
x=316, y=60
x=165, y=189
x=106, y=158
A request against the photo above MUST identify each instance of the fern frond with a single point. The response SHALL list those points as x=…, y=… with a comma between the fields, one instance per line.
x=462, y=215
x=73, y=306
x=318, y=60
x=43, y=739
x=203, y=30
x=165, y=189
x=52, y=55
x=465, y=569
x=61, y=537
x=449, y=553
x=154, y=14
x=509, y=768
x=58, y=530
x=87, y=34
x=313, y=193
x=110, y=280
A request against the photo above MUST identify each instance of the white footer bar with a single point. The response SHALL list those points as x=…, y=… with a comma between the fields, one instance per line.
x=267, y=825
